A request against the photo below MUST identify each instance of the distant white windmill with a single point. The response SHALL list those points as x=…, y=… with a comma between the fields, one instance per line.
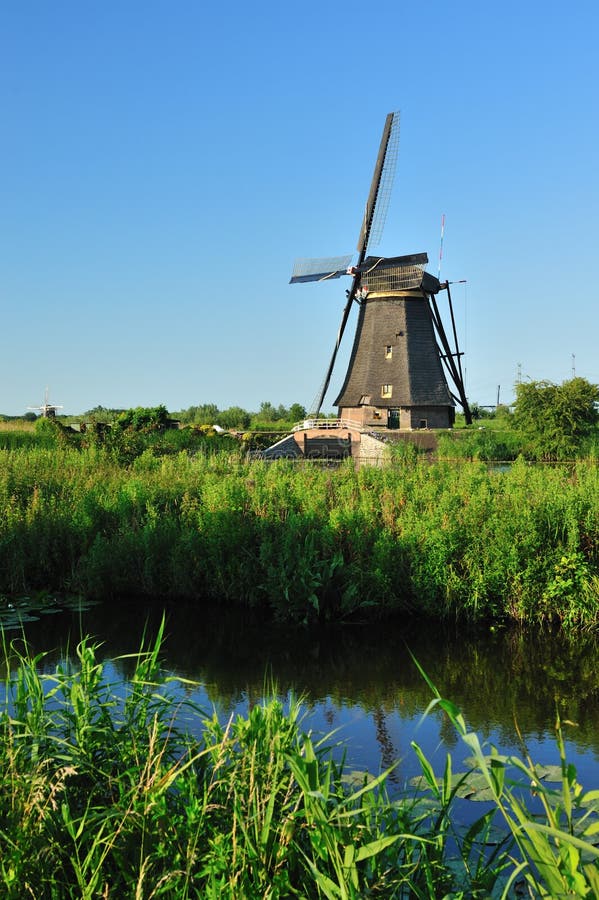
x=48, y=410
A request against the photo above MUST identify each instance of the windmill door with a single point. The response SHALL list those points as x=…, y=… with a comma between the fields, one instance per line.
x=393, y=418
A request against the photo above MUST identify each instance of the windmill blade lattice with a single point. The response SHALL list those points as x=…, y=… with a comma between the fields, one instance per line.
x=380, y=187
x=383, y=184
x=384, y=170
x=313, y=269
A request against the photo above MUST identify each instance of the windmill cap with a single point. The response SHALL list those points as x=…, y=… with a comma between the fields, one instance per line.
x=394, y=262
x=386, y=274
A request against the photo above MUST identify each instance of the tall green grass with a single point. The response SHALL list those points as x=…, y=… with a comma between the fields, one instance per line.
x=105, y=793
x=552, y=821
x=484, y=443
x=301, y=543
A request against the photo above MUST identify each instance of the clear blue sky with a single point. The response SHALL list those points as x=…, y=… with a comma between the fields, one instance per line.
x=163, y=163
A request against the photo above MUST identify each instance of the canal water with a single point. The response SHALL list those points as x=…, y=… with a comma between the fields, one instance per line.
x=359, y=681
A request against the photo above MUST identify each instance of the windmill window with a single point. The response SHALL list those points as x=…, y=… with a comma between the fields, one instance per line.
x=399, y=334
x=387, y=390
x=365, y=400
x=388, y=351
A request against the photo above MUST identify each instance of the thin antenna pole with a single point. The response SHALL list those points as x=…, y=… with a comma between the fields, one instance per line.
x=441, y=246
x=573, y=365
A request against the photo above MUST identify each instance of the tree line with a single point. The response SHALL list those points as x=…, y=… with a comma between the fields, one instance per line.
x=233, y=417
x=237, y=417
x=548, y=422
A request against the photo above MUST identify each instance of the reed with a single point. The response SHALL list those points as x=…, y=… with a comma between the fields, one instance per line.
x=486, y=443
x=106, y=796
x=304, y=544
x=106, y=793
x=553, y=822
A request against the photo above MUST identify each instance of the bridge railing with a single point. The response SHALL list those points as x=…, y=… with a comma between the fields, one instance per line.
x=326, y=424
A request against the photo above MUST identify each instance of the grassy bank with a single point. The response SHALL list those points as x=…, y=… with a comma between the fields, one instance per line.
x=302, y=543
x=104, y=794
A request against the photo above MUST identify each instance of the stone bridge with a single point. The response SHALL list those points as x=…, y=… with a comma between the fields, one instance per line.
x=337, y=439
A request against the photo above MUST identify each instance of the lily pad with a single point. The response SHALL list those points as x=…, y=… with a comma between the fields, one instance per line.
x=15, y=619
x=17, y=611
x=78, y=603
x=467, y=785
x=357, y=778
x=475, y=787
x=549, y=773
x=496, y=758
x=590, y=800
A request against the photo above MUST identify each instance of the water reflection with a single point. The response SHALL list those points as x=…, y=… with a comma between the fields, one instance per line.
x=363, y=680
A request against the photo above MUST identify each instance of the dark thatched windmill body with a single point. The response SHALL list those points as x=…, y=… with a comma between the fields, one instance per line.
x=402, y=361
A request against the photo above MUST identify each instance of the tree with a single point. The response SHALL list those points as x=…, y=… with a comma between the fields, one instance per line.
x=102, y=414
x=205, y=414
x=297, y=412
x=143, y=418
x=268, y=412
x=481, y=412
x=554, y=418
x=233, y=417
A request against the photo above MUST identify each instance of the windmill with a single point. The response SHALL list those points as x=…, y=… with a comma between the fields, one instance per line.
x=401, y=358
x=47, y=409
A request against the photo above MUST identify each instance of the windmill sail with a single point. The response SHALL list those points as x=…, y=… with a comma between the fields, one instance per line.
x=385, y=171
x=396, y=369
x=383, y=177
x=319, y=269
